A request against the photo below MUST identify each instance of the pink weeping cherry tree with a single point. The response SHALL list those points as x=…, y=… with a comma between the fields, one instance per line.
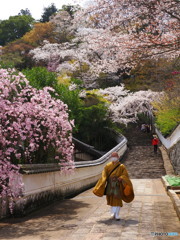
x=33, y=125
x=124, y=106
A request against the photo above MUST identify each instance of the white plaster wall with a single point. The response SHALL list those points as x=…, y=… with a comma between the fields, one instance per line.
x=82, y=176
x=171, y=140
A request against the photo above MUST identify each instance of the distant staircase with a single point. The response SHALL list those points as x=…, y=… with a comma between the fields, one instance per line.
x=140, y=160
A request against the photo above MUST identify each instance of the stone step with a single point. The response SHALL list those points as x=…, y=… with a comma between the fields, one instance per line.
x=141, y=162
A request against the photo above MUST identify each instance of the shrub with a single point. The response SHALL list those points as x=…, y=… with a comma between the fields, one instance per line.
x=40, y=77
x=95, y=124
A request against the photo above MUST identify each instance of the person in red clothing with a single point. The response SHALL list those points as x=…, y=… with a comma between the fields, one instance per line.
x=155, y=143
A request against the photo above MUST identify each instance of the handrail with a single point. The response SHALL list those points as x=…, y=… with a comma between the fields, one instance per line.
x=102, y=159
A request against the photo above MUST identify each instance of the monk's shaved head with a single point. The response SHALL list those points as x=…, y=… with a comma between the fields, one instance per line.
x=114, y=154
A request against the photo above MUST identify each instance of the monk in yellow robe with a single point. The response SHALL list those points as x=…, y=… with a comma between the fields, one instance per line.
x=119, y=188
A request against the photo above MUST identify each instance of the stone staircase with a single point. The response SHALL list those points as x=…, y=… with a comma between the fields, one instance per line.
x=140, y=160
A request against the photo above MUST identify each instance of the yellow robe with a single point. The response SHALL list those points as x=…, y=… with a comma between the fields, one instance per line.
x=118, y=172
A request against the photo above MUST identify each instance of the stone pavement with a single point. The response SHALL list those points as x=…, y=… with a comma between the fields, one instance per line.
x=87, y=217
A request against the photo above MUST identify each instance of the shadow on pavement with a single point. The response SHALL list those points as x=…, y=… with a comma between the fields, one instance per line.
x=54, y=217
x=121, y=222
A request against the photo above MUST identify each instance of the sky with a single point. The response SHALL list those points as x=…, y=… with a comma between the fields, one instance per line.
x=12, y=7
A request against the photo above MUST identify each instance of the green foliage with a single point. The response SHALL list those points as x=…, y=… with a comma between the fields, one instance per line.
x=49, y=11
x=71, y=98
x=166, y=121
x=77, y=81
x=167, y=114
x=40, y=77
x=95, y=125
x=15, y=27
x=95, y=96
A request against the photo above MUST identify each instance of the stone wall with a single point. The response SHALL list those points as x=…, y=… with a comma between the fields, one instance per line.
x=174, y=155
